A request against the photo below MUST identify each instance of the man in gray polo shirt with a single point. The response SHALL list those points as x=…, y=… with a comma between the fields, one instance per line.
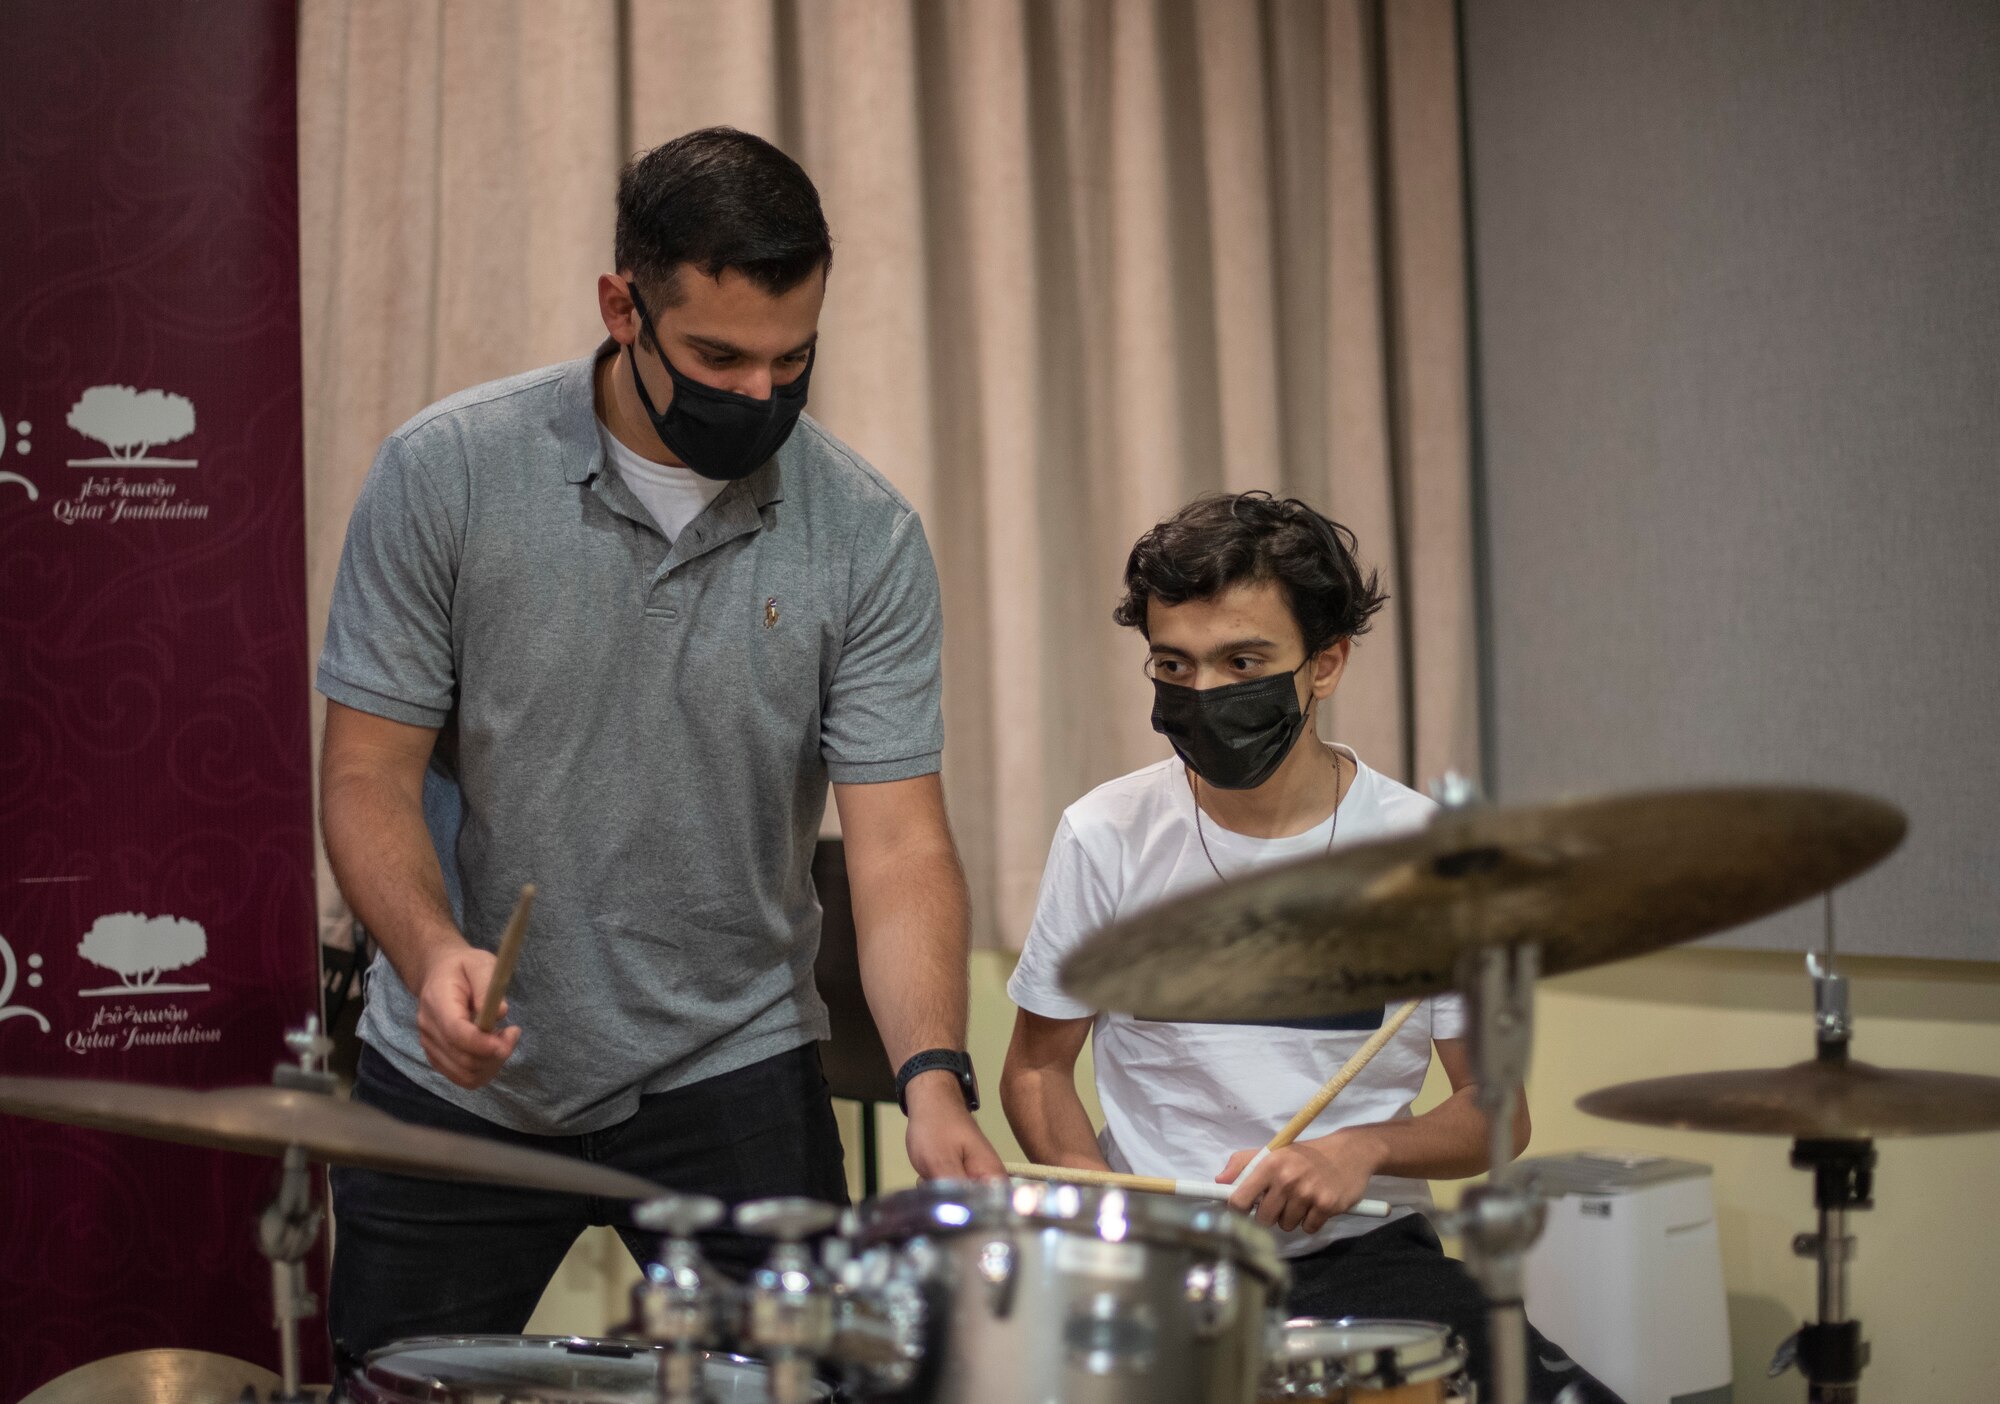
x=635, y=612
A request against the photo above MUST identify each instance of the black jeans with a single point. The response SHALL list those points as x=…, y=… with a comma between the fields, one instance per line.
x=1400, y=1271
x=416, y=1257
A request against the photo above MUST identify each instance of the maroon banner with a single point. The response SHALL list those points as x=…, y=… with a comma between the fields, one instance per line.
x=156, y=908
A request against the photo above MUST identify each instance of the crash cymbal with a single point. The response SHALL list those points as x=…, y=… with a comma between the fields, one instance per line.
x=1591, y=881
x=265, y=1120
x=158, y=1377
x=1819, y=1100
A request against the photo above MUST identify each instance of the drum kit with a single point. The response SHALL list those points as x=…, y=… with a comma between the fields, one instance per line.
x=1037, y=1290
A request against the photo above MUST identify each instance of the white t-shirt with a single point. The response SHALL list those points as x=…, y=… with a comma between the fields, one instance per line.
x=672, y=495
x=1180, y=1098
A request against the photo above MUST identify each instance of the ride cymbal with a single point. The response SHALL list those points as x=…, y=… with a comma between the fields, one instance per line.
x=1589, y=881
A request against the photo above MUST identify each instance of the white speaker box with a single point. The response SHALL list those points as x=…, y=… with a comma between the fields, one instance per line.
x=1627, y=1275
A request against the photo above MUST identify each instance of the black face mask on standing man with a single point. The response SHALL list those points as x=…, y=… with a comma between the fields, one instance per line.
x=718, y=433
x=1233, y=737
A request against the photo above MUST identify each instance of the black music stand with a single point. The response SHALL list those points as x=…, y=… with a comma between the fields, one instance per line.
x=856, y=1064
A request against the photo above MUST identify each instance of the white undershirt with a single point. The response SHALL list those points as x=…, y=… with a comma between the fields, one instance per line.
x=673, y=496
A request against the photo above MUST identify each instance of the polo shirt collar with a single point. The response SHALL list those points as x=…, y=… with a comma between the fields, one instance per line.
x=757, y=490
x=577, y=417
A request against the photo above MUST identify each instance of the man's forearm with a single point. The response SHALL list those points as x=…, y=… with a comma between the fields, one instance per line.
x=912, y=926
x=388, y=870
x=912, y=918
x=1448, y=1142
x=1049, y=1119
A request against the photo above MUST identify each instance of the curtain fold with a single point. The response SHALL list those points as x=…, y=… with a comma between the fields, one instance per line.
x=1092, y=257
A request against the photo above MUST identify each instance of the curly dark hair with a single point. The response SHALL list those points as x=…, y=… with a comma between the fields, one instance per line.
x=719, y=198
x=1229, y=539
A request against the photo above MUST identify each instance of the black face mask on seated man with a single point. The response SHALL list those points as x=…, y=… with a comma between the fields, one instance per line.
x=1233, y=737
x=719, y=433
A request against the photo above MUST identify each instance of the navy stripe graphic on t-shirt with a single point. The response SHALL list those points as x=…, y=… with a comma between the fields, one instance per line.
x=1362, y=1021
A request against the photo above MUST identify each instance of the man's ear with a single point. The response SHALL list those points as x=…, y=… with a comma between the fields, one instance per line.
x=614, y=305
x=1327, y=667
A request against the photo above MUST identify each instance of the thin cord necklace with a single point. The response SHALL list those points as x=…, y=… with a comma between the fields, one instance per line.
x=1196, y=795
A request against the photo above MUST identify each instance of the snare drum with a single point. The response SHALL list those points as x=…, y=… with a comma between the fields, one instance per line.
x=541, y=1370
x=1087, y=1295
x=1359, y=1361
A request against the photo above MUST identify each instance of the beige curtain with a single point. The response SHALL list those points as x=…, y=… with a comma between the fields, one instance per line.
x=1094, y=257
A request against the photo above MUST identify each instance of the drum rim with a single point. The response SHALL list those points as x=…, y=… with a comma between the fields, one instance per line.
x=1151, y=1220
x=1443, y=1353
x=441, y=1342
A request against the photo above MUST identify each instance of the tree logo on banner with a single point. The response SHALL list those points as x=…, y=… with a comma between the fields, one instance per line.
x=9, y=972
x=139, y=949
x=128, y=422
x=21, y=447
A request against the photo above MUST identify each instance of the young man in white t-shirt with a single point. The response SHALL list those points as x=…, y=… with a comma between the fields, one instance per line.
x=1250, y=607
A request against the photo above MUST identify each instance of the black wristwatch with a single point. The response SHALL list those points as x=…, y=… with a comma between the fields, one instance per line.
x=931, y=1059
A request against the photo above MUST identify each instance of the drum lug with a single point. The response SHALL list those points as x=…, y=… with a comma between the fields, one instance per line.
x=1109, y=1335
x=788, y=1303
x=678, y=1299
x=879, y=1335
x=922, y=1260
x=1212, y=1298
x=996, y=1269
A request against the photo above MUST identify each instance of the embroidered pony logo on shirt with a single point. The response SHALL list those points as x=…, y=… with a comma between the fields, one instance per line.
x=771, y=613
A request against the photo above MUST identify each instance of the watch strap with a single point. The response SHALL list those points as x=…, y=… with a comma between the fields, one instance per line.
x=930, y=1060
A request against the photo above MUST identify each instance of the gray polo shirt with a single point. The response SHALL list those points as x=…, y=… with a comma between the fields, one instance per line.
x=642, y=728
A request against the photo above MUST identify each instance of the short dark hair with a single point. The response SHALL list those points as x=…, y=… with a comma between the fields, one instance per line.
x=1232, y=539
x=719, y=198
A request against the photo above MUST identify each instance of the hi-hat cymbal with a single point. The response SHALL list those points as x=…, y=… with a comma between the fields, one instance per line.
x=1590, y=881
x=158, y=1377
x=266, y=1120
x=1817, y=1100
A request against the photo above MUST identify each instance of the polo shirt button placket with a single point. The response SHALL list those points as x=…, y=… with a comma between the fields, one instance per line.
x=660, y=597
x=661, y=605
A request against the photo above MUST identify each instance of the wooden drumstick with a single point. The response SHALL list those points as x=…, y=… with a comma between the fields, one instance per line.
x=1152, y=1184
x=1155, y=1184
x=503, y=964
x=1311, y=1110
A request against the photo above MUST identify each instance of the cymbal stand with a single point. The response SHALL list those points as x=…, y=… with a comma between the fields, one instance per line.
x=291, y=1222
x=1830, y=1351
x=1500, y=1220
x=286, y=1233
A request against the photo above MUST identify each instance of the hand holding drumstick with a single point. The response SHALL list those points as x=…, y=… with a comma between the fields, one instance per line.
x=1304, y=1190
x=461, y=994
x=1227, y=1185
